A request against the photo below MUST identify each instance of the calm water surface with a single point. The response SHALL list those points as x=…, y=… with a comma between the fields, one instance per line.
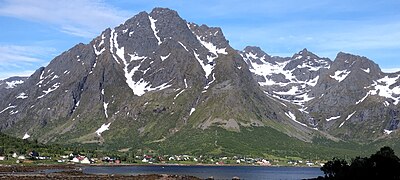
x=218, y=172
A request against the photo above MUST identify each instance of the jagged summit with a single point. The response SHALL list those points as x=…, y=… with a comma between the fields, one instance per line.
x=255, y=50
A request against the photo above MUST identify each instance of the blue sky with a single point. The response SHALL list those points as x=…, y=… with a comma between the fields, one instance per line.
x=33, y=32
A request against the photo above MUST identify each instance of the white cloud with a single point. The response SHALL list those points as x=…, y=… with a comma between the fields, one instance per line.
x=22, y=60
x=26, y=73
x=84, y=18
x=391, y=70
x=12, y=54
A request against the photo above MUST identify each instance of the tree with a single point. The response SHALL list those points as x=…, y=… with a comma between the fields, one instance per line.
x=384, y=164
x=337, y=168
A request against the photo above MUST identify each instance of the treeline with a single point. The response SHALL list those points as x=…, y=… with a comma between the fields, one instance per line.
x=384, y=164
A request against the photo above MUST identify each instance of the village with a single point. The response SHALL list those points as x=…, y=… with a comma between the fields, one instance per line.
x=34, y=157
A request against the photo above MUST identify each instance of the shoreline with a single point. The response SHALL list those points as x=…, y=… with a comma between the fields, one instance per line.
x=76, y=171
x=73, y=171
x=38, y=167
x=200, y=165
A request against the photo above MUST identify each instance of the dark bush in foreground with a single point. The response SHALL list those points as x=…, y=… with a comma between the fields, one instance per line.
x=384, y=164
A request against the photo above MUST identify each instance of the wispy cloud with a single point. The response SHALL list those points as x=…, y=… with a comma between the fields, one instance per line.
x=25, y=73
x=324, y=37
x=391, y=70
x=22, y=60
x=84, y=18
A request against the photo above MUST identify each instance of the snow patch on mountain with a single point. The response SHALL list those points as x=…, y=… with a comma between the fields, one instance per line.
x=348, y=117
x=7, y=108
x=153, y=27
x=366, y=70
x=362, y=99
x=101, y=43
x=280, y=78
x=13, y=84
x=293, y=117
x=105, y=106
x=140, y=87
x=22, y=96
x=103, y=128
x=207, y=67
x=383, y=87
x=186, y=85
x=340, y=75
x=165, y=57
x=211, y=47
x=49, y=90
x=332, y=118
x=183, y=46
x=26, y=136
x=192, y=111
x=179, y=93
x=387, y=132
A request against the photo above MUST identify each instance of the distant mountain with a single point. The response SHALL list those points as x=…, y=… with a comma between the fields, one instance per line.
x=159, y=82
x=349, y=98
x=12, y=82
x=7, y=85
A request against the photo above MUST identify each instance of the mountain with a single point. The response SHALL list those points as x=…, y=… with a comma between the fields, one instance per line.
x=349, y=98
x=12, y=82
x=7, y=85
x=158, y=82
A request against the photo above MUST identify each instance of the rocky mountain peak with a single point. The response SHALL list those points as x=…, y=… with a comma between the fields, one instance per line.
x=165, y=12
x=254, y=54
x=255, y=50
x=359, y=65
x=211, y=37
x=308, y=60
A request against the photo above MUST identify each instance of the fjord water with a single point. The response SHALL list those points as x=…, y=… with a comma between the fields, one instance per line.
x=217, y=172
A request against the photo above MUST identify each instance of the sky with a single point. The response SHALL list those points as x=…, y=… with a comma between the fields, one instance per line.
x=33, y=32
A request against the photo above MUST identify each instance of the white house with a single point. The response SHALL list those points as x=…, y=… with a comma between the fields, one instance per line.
x=75, y=160
x=22, y=157
x=85, y=161
x=14, y=155
x=2, y=158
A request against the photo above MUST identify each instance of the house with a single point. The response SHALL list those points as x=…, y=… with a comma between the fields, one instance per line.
x=43, y=157
x=309, y=164
x=75, y=160
x=264, y=163
x=85, y=161
x=22, y=157
x=14, y=155
x=34, y=154
x=2, y=158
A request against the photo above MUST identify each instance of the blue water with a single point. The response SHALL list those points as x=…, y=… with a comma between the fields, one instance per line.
x=218, y=172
